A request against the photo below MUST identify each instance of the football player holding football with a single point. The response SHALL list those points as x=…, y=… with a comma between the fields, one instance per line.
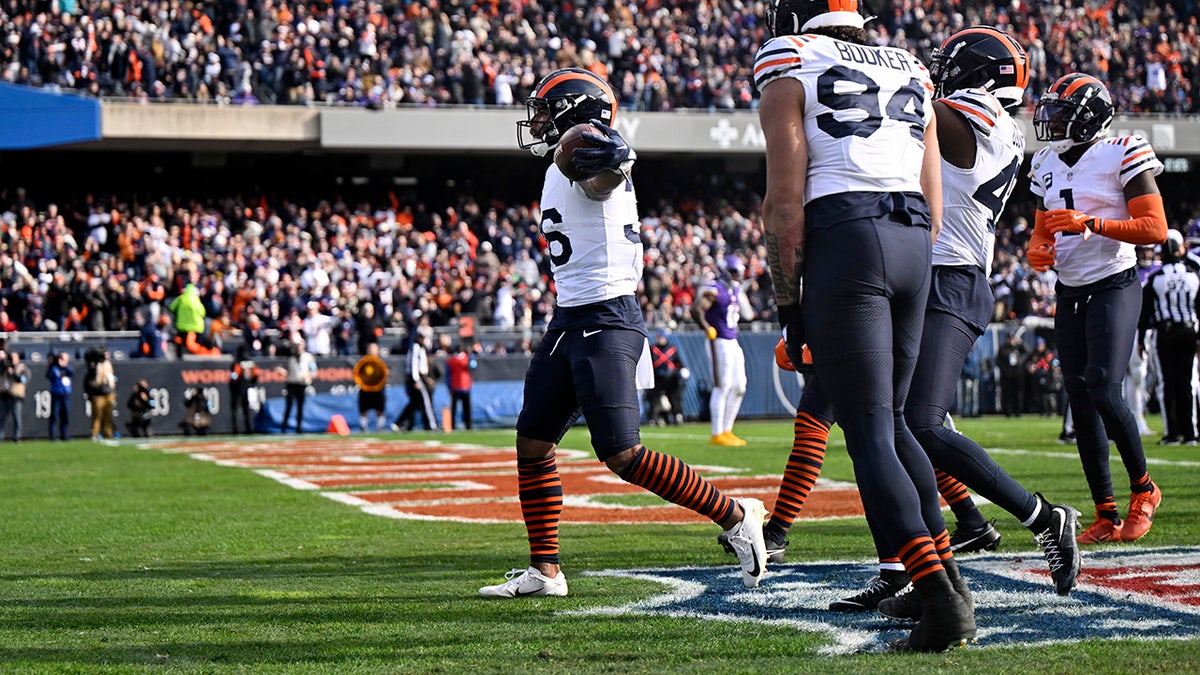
x=1098, y=201
x=587, y=362
x=853, y=196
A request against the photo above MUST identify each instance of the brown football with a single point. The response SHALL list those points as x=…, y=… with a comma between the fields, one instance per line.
x=572, y=139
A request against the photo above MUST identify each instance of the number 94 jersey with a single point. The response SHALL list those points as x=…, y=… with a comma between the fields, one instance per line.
x=865, y=111
x=595, y=247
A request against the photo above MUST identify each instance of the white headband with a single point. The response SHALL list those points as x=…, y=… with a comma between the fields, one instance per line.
x=828, y=19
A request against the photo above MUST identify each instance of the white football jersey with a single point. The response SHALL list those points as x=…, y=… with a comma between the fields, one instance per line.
x=595, y=247
x=1095, y=185
x=972, y=199
x=865, y=111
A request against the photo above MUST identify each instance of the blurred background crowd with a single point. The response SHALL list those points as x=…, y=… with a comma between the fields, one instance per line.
x=659, y=54
x=339, y=272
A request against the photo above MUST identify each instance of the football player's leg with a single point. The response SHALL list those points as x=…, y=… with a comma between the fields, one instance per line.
x=736, y=385
x=945, y=342
x=848, y=323
x=908, y=288
x=1070, y=336
x=548, y=410
x=603, y=368
x=810, y=434
x=720, y=390
x=1111, y=328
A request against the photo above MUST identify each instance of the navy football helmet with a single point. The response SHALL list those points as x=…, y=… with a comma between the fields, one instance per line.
x=1076, y=109
x=983, y=57
x=563, y=99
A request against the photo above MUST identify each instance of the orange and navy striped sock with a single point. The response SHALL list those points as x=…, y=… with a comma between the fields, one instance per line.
x=803, y=469
x=920, y=558
x=1107, y=508
x=941, y=542
x=675, y=481
x=541, y=495
x=959, y=499
x=1143, y=484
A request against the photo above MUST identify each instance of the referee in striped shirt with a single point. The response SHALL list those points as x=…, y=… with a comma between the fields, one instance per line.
x=1169, y=306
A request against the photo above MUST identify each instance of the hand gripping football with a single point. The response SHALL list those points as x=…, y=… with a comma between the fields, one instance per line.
x=564, y=153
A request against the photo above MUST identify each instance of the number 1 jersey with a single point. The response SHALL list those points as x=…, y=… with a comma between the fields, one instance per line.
x=595, y=247
x=865, y=111
x=1094, y=185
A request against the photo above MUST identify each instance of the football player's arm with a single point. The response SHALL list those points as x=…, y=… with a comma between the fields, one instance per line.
x=745, y=309
x=703, y=301
x=599, y=187
x=1146, y=316
x=1040, y=252
x=956, y=141
x=781, y=115
x=610, y=158
x=931, y=177
x=1147, y=223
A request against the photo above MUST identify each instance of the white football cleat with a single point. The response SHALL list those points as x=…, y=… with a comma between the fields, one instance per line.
x=527, y=582
x=746, y=538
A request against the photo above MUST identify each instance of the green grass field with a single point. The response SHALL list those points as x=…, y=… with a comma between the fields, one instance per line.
x=128, y=559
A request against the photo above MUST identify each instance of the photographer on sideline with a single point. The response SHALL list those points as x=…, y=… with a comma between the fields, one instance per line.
x=13, y=377
x=141, y=407
x=100, y=385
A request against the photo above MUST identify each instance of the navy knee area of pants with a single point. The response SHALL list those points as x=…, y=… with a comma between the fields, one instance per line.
x=939, y=448
x=1105, y=394
x=1076, y=388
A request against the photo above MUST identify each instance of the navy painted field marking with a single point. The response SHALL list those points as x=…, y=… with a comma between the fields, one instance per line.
x=1125, y=593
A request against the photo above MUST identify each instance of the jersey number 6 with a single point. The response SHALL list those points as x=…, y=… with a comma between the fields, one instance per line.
x=564, y=251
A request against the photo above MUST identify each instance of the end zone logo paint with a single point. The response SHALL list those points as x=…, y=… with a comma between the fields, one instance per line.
x=1124, y=593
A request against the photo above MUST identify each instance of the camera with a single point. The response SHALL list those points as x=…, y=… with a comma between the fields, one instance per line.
x=95, y=354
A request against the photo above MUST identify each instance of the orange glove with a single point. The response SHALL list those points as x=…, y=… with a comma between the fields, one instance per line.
x=1040, y=252
x=781, y=356
x=1071, y=221
x=711, y=332
x=785, y=362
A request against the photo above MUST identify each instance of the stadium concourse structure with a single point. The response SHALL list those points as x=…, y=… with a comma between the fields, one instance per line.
x=62, y=144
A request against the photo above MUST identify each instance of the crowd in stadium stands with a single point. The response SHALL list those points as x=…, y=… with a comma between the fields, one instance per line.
x=658, y=54
x=313, y=269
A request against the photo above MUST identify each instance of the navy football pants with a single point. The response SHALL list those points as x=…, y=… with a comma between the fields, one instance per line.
x=865, y=287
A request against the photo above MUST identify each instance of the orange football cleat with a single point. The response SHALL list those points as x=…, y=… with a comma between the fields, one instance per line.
x=1100, y=531
x=1142, y=506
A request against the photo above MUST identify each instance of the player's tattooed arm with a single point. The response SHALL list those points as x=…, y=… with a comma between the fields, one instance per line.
x=782, y=120
x=785, y=256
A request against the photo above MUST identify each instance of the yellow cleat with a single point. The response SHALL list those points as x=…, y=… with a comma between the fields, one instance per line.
x=721, y=439
x=734, y=440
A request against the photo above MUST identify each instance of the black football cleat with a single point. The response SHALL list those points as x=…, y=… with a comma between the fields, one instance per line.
x=970, y=540
x=879, y=588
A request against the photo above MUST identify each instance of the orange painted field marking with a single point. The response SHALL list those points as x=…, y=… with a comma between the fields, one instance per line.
x=428, y=480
